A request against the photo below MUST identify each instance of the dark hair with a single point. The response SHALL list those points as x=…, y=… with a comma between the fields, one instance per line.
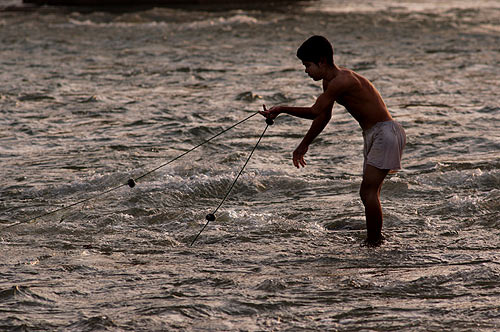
x=315, y=48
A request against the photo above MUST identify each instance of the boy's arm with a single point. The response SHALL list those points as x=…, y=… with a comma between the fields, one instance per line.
x=324, y=102
x=309, y=113
x=319, y=123
x=322, y=112
x=300, y=112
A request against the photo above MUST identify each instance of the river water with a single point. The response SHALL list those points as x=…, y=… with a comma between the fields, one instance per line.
x=91, y=98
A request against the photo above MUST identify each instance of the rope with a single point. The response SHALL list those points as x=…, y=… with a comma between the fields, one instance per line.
x=131, y=182
x=211, y=216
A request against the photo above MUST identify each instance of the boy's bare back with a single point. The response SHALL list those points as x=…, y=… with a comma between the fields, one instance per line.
x=358, y=95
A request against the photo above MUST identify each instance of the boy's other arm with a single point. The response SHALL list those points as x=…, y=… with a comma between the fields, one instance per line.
x=319, y=123
x=309, y=113
x=300, y=112
x=322, y=112
x=323, y=103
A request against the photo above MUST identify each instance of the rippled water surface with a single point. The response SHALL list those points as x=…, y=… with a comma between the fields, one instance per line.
x=91, y=98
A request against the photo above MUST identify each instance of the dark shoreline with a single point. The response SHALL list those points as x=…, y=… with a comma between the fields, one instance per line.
x=133, y=5
x=122, y=3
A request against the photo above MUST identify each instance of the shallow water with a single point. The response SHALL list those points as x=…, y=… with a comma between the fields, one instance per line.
x=91, y=98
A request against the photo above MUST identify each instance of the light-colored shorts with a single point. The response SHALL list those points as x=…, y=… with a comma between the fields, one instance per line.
x=383, y=145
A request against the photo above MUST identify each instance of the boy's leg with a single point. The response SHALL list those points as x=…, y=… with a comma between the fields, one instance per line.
x=370, y=195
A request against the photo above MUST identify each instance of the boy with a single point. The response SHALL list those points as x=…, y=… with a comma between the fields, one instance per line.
x=384, y=139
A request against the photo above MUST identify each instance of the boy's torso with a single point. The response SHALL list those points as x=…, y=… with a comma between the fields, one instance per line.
x=361, y=99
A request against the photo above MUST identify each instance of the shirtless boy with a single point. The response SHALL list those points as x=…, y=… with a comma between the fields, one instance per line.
x=384, y=139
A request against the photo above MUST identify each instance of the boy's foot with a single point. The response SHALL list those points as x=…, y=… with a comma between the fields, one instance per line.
x=373, y=243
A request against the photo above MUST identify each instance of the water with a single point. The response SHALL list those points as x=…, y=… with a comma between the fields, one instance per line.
x=89, y=99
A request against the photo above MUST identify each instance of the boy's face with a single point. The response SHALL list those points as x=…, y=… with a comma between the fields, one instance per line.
x=313, y=70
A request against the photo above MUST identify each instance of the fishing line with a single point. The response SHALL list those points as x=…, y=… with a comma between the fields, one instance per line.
x=211, y=216
x=131, y=182
x=64, y=207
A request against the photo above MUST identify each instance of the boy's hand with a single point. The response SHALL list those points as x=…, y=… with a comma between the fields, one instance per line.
x=271, y=113
x=298, y=156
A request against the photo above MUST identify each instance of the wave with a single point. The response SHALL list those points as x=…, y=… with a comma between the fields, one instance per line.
x=236, y=19
x=221, y=21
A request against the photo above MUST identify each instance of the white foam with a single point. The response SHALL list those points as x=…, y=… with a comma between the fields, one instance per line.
x=236, y=19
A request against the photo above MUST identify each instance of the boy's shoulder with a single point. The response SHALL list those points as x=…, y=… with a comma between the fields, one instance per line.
x=343, y=80
x=347, y=75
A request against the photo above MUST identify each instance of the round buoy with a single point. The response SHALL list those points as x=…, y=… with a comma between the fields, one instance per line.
x=269, y=121
x=131, y=183
x=210, y=217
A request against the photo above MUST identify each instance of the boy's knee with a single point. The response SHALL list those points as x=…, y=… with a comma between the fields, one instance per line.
x=367, y=192
x=363, y=193
x=363, y=197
